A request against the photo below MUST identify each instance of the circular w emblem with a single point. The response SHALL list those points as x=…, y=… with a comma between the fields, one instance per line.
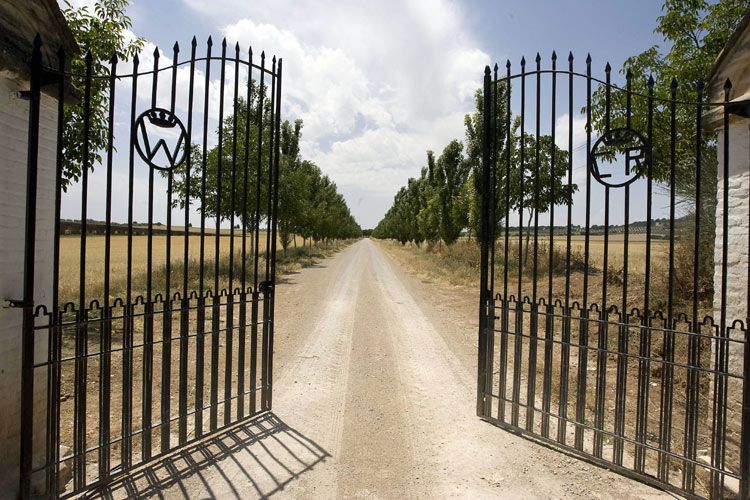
x=160, y=139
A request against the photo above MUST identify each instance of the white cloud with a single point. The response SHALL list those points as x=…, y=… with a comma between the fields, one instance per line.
x=376, y=83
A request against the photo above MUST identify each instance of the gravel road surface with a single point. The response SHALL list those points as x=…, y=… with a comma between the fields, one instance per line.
x=374, y=397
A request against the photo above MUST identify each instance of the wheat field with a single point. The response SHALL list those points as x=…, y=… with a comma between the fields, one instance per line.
x=70, y=252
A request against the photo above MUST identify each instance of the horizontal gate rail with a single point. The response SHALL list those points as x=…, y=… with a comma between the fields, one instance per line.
x=613, y=313
x=152, y=338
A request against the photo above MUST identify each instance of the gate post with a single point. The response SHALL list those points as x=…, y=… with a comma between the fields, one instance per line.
x=485, y=244
x=27, y=332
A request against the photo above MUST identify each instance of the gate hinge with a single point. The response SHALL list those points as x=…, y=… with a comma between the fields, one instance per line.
x=17, y=304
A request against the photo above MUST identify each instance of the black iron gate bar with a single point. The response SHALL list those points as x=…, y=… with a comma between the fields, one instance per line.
x=577, y=330
x=136, y=317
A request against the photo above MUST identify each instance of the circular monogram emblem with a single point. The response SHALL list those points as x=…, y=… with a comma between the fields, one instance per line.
x=619, y=157
x=160, y=139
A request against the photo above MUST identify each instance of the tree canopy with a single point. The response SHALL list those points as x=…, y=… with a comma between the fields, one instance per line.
x=446, y=199
x=103, y=35
x=234, y=182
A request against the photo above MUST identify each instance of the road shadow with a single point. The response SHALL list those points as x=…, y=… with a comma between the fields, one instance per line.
x=258, y=458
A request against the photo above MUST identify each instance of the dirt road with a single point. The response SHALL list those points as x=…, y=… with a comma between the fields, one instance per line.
x=374, y=397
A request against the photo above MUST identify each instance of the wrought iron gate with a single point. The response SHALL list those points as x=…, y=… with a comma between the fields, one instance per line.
x=160, y=332
x=613, y=317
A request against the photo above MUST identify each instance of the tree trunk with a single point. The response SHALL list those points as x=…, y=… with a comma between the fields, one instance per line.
x=528, y=234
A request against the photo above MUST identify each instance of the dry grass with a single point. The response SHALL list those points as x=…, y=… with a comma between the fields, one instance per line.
x=70, y=248
x=459, y=265
x=163, y=354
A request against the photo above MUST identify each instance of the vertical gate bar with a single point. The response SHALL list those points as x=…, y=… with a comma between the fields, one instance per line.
x=185, y=301
x=722, y=349
x=27, y=340
x=484, y=250
x=148, y=330
x=624, y=331
x=216, y=302
x=667, y=384
x=505, y=302
x=276, y=146
x=79, y=444
x=491, y=306
x=229, y=341
x=584, y=320
x=518, y=351
x=603, y=330
x=166, y=350
x=105, y=339
x=745, y=436
x=745, y=430
x=691, y=403
x=550, y=318
x=200, y=337
x=565, y=348
x=54, y=373
x=533, y=327
x=256, y=250
x=269, y=215
x=241, y=369
x=489, y=347
x=127, y=340
x=644, y=365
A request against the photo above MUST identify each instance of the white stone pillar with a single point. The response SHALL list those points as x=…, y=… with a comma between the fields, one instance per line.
x=14, y=114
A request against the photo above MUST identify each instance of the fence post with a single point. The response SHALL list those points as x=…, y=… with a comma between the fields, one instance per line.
x=485, y=243
x=27, y=340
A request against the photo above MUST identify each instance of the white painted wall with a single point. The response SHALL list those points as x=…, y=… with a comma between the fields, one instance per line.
x=737, y=258
x=14, y=113
x=739, y=217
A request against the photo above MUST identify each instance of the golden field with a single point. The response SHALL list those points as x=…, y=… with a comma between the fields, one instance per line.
x=70, y=249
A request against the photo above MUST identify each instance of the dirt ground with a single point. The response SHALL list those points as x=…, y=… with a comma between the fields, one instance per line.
x=374, y=396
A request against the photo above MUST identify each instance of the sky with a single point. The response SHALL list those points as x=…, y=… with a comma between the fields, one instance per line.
x=378, y=83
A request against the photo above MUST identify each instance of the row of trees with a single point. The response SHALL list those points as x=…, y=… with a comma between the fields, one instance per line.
x=437, y=205
x=234, y=185
x=445, y=200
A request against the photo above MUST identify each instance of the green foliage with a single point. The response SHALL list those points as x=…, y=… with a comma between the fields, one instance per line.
x=452, y=172
x=102, y=34
x=694, y=32
x=446, y=199
x=234, y=181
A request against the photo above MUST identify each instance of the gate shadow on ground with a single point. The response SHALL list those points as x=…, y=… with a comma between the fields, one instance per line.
x=256, y=458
